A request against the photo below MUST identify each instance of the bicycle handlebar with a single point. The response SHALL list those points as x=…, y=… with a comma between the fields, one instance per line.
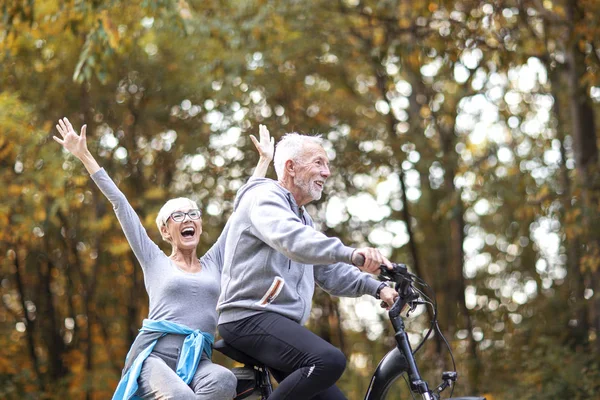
x=403, y=281
x=360, y=260
x=397, y=273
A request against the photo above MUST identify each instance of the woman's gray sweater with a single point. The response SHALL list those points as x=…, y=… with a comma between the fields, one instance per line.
x=183, y=297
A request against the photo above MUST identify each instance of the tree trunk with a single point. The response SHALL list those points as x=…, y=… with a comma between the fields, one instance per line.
x=576, y=279
x=456, y=279
x=54, y=341
x=583, y=132
x=29, y=323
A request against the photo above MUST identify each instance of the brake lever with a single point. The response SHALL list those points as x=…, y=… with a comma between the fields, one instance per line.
x=397, y=271
x=401, y=277
x=412, y=306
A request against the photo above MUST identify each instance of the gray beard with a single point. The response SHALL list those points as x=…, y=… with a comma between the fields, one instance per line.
x=314, y=193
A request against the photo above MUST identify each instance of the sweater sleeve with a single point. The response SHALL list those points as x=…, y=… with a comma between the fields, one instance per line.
x=217, y=251
x=277, y=225
x=141, y=244
x=345, y=280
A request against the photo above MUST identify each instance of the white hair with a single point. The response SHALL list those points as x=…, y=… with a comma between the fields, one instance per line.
x=170, y=207
x=290, y=147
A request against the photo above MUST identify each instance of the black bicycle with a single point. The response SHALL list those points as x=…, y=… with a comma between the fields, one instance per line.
x=254, y=378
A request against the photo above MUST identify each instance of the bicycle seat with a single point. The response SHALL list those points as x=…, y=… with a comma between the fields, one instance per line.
x=236, y=355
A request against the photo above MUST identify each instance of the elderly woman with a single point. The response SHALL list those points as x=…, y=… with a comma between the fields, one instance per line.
x=171, y=357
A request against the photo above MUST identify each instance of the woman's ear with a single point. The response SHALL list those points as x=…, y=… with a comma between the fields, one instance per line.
x=165, y=233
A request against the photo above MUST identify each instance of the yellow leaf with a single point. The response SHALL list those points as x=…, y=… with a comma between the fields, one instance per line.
x=14, y=190
x=39, y=214
x=81, y=180
x=111, y=32
x=119, y=248
x=156, y=193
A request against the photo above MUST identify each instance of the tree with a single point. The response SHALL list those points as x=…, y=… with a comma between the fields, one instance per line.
x=455, y=146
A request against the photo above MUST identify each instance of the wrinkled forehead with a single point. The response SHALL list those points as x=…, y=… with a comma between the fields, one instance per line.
x=313, y=151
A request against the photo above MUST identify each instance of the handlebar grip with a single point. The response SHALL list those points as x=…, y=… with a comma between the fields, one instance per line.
x=358, y=260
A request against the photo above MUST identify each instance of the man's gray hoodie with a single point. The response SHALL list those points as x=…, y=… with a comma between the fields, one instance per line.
x=273, y=257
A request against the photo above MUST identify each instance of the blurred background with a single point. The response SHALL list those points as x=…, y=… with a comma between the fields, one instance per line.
x=463, y=140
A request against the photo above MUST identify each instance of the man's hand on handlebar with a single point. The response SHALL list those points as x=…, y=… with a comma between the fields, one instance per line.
x=388, y=296
x=369, y=259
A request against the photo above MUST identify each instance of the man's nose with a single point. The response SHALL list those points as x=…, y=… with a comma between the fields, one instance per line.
x=325, y=172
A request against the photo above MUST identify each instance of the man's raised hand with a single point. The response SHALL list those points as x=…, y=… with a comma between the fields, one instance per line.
x=266, y=145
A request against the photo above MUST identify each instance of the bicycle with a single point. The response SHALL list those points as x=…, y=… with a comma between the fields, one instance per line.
x=254, y=378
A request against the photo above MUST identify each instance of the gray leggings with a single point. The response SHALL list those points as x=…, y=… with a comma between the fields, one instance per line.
x=159, y=381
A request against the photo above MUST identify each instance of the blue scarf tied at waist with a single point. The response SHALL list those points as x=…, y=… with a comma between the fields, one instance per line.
x=194, y=344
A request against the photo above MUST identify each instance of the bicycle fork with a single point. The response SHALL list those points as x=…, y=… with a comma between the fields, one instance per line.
x=394, y=364
x=417, y=384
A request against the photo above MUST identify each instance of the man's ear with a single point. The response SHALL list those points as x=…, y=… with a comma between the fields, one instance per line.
x=290, y=167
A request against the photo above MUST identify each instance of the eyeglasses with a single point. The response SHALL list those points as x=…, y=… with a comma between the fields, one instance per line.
x=179, y=216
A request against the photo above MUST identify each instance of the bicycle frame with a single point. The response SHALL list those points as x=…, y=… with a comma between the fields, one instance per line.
x=390, y=368
x=401, y=359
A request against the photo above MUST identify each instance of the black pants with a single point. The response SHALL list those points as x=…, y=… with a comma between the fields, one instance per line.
x=305, y=365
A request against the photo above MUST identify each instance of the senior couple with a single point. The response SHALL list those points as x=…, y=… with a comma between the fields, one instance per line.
x=256, y=282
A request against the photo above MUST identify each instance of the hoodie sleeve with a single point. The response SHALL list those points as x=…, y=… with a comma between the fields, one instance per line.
x=143, y=247
x=345, y=280
x=276, y=224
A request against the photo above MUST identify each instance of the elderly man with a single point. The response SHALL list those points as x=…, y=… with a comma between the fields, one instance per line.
x=273, y=257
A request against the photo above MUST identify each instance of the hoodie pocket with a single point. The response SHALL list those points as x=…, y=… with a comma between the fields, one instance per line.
x=272, y=293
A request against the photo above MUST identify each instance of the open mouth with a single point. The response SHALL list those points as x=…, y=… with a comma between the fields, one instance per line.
x=188, y=231
x=320, y=184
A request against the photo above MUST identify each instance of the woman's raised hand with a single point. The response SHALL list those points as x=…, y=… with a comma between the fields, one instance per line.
x=266, y=146
x=74, y=143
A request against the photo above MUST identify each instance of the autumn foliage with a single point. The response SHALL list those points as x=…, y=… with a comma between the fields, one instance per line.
x=464, y=142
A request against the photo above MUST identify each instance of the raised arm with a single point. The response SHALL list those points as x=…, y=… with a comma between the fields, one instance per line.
x=266, y=149
x=143, y=247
